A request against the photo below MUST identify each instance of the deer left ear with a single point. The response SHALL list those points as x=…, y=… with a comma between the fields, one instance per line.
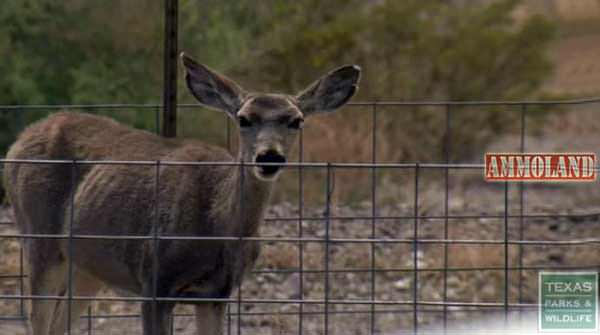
x=211, y=88
x=331, y=91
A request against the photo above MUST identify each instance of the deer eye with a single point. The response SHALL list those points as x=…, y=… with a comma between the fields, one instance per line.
x=244, y=122
x=296, y=123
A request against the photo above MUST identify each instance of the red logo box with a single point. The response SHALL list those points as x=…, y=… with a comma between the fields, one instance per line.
x=547, y=167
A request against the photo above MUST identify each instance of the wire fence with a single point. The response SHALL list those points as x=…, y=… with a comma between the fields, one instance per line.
x=374, y=271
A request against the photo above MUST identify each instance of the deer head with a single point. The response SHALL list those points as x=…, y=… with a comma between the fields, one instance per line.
x=269, y=123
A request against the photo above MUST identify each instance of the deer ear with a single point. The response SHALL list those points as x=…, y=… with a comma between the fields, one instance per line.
x=212, y=89
x=331, y=91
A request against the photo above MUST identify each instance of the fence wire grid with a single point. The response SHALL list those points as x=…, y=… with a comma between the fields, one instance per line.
x=367, y=294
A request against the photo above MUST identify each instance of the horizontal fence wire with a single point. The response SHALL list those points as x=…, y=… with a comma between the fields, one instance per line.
x=328, y=306
x=482, y=103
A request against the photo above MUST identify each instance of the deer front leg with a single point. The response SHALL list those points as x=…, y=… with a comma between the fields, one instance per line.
x=156, y=318
x=209, y=318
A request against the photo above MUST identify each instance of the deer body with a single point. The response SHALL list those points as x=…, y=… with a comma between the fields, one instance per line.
x=120, y=199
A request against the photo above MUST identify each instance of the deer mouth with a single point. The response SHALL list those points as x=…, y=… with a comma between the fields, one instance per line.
x=273, y=162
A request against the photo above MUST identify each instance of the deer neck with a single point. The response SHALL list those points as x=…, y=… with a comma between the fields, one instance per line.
x=243, y=201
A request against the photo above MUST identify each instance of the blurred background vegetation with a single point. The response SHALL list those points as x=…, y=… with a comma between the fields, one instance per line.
x=92, y=52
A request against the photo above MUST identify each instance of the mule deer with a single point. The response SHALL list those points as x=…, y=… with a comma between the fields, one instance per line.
x=119, y=199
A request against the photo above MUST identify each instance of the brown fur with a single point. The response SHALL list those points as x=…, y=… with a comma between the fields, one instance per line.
x=120, y=199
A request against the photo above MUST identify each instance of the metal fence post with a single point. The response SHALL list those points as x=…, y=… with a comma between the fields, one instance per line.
x=170, y=70
x=447, y=142
x=73, y=179
x=521, y=208
x=506, y=256
x=300, y=231
x=373, y=277
x=328, y=194
x=415, y=253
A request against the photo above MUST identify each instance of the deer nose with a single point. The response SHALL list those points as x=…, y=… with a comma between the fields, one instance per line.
x=274, y=160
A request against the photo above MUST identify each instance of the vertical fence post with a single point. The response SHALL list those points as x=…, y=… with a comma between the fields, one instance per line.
x=521, y=208
x=329, y=191
x=447, y=141
x=228, y=319
x=170, y=70
x=89, y=320
x=169, y=109
x=228, y=133
x=415, y=245
x=300, y=232
x=240, y=251
x=506, y=258
x=20, y=121
x=157, y=120
x=155, y=246
x=73, y=179
x=24, y=314
x=373, y=212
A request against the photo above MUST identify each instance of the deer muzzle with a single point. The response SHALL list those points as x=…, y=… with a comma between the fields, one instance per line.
x=273, y=162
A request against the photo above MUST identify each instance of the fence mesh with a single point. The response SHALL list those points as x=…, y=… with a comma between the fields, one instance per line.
x=371, y=246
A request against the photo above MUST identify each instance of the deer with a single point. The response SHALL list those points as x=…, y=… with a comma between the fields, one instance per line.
x=227, y=200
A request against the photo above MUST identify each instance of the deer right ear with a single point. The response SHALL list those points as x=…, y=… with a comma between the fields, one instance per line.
x=212, y=89
x=331, y=91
